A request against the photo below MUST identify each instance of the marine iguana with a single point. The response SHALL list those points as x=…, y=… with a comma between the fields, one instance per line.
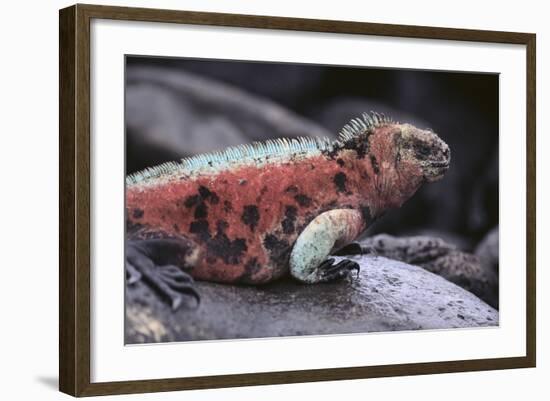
x=255, y=212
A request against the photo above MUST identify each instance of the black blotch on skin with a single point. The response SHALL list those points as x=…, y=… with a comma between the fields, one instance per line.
x=231, y=251
x=201, y=211
x=200, y=227
x=220, y=246
x=279, y=249
x=221, y=226
x=191, y=201
x=362, y=149
x=206, y=194
x=331, y=154
x=360, y=144
x=340, y=162
x=374, y=164
x=250, y=216
x=340, y=182
x=250, y=269
x=263, y=190
x=137, y=213
x=290, y=219
x=303, y=200
x=176, y=228
x=227, y=206
x=292, y=189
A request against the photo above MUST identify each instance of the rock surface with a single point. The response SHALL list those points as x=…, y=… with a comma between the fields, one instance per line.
x=488, y=254
x=438, y=256
x=387, y=295
x=172, y=114
x=488, y=251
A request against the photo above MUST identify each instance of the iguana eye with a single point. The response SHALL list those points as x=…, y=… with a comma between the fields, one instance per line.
x=422, y=150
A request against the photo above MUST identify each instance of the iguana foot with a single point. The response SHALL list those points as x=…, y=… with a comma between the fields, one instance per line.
x=330, y=271
x=309, y=259
x=169, y=280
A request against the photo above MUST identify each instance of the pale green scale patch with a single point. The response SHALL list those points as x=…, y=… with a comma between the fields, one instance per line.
x=258, y=153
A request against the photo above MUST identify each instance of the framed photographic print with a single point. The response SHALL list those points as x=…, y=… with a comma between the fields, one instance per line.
x=298, y=200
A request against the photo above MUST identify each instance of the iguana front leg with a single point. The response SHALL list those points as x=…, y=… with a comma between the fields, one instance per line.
x=326, y=233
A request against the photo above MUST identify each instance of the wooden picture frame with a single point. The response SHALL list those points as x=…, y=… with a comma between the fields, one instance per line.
x=74, y=205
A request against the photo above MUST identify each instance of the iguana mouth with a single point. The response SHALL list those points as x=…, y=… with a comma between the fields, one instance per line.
x=437, y=167
x=443, y=163
x=437, y=171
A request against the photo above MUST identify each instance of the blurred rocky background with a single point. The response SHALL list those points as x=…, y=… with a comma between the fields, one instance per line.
x=180, y=107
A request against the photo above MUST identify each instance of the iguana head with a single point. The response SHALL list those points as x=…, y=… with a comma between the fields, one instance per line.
x=396, y=158
x=425, y=149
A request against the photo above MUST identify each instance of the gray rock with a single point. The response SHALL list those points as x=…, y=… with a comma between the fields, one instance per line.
x=483, y=206
x=286, y=84
x=387, y=295
x=461, y=242
x=439, y=257
x=488, y=250
x=171, y=114
x=488, y=254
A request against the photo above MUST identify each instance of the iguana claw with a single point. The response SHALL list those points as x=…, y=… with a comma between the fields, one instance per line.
x=132, y=274
x=340, y=270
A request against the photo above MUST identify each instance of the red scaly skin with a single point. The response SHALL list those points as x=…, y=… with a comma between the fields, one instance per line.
x=244, y=220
